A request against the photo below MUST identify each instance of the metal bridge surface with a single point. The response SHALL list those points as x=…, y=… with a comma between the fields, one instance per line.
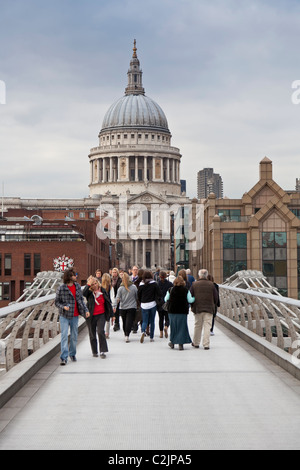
x=149, y=397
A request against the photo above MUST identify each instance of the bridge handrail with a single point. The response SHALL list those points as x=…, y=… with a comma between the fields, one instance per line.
x=25, y=327
x=273, y=317
x=286, y=300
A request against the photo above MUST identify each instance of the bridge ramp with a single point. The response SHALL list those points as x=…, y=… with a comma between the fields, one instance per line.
x=149, y=397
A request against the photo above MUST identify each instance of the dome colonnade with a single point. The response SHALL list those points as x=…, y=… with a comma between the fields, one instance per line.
x=134, y=145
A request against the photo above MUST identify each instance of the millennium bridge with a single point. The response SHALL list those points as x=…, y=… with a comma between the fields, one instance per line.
x=241, y=394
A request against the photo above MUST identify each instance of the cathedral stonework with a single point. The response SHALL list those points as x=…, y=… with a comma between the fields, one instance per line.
x=134, y=145
x=135, y=160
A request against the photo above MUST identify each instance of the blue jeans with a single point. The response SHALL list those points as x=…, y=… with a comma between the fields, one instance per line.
x=64, y=330
x=148, y=316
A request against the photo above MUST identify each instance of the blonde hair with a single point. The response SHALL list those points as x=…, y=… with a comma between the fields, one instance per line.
x=106, y=281
x=125, y=281
x=95, y=281
x=179, y=281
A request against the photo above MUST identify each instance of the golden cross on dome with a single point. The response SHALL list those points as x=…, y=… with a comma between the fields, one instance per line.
x=134, y=50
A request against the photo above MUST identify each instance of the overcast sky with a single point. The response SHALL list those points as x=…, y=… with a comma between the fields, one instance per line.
x=222, y=71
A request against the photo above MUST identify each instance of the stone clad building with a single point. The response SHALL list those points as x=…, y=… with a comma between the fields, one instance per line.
x=134, y=153
x=260, y=231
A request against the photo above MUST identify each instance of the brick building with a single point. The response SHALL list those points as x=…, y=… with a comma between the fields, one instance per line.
x=31, y=239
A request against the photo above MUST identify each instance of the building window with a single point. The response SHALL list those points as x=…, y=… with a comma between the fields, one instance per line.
x=27, y=264
x=7, y=265
x=234, y=253
x=132, y=174
x=4, y=291
x=230, y=215
x=146, y=217
x=36, y=263
x=92, y=215
x=274, y=259
x=296, y=212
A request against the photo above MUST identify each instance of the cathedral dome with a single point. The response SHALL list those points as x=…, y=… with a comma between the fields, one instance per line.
x=135, y=111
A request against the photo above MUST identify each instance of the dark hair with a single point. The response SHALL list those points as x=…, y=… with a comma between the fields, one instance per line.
x=163, y=274
x=140, y=273
x=147, y=275
x=182, y=273
x=68, y=275
x=210, y=278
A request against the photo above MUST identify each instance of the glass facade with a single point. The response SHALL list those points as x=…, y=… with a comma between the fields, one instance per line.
x=234, y=253
x=230, y=215
x=274, y=259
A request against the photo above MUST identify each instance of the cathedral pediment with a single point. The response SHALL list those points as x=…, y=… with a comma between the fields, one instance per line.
x=147, y=197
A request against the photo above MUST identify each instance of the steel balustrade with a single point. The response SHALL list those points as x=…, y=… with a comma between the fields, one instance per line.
x=275, y=318
x=25, y=327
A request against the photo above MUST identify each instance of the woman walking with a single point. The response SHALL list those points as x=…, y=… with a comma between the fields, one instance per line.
x=106, y=284
x=127, y=298
x=100, y=309
x=149, y=297
x=179, y=299
x=116, y=281
x=164, y=285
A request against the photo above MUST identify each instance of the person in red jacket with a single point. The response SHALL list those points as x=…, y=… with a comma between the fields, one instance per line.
x=100, y=309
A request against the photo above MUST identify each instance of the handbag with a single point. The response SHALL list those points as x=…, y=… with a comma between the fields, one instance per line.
x=166, y=305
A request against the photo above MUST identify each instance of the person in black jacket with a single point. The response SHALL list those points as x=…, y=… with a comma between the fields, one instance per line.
x=164, y=285
x=100, y=309
x=149, y=297
x=116, y=281
x=210, y=278
x=179, y=298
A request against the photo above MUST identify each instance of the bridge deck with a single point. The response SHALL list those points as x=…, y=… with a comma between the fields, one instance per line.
x=147, y=396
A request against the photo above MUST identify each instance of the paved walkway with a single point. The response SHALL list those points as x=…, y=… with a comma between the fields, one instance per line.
x=149, y=397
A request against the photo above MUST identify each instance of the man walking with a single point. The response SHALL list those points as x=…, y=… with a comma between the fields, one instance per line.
x=70, y=303
x=206, y=297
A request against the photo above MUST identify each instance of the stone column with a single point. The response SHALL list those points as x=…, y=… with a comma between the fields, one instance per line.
x=110, y=169
x=136, y=168
x=144, y=254
x=145, y=169
x=153, y=253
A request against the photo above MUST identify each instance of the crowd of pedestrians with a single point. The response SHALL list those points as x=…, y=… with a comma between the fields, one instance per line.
x=136, y=297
